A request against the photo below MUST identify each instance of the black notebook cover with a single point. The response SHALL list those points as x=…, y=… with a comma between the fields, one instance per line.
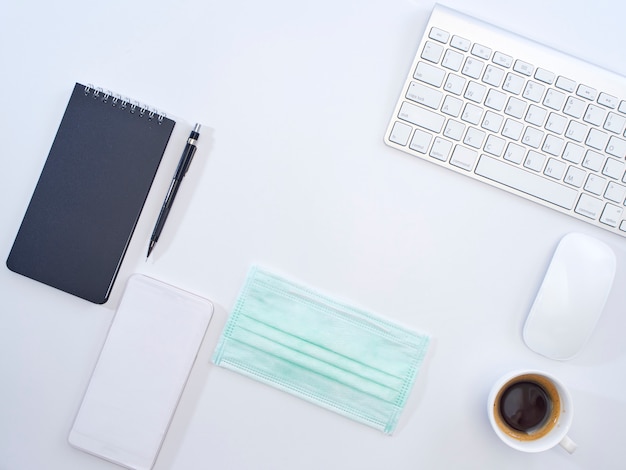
x=90, y=194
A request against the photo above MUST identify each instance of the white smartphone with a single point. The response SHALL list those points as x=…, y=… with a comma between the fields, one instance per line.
x=141, y=373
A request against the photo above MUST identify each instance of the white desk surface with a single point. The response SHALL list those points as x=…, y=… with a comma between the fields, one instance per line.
x=292, y=174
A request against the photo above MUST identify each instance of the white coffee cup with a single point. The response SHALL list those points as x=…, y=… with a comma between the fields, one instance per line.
x=558, y=417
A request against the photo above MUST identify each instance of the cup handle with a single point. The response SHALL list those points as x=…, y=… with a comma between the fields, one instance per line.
x=568, y=444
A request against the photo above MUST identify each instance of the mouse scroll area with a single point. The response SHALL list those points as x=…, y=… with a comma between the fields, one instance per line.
x=571, y=297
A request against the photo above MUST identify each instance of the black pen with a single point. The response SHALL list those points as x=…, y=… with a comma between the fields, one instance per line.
x=181, y=170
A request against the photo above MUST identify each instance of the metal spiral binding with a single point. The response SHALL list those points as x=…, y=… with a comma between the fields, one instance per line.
x=124, y=103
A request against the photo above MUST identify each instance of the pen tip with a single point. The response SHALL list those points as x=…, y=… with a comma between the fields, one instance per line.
x=197, y=128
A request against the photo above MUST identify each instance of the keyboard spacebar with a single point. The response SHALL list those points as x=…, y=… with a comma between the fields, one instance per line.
x=526, y=182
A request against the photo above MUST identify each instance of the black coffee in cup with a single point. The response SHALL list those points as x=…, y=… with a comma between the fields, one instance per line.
x=527, y=407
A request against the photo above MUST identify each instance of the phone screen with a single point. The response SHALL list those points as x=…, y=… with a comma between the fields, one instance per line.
x=141, y=373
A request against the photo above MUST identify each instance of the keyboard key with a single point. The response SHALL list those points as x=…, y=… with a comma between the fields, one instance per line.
x=573, y=153
x=452, y=60
x=439, y=35
x=565, y=84
x=533, y=91
x=495, y=100
x=622, y=107
x=420, y=141
x=586, y=92
x=555, y=168
x=424, y=95
x=574, y=107
x=515, y=107
x=597, y=139
x=614, y=168
x=400, y=133
x=481, y=51
x=611, y=215
x=523, y=67
x=429, y=74
x=475, y=92
x=460, y=43
x=472, y=68
x=421, y=117
x=607, y=100
x=474, y=138
x=529, y=183
x=432, y=52
x=464, y=158
x=615, y=123
x=593, y=160
x=452, y=106
x=594, y=115
x=455, y=84
x=589, y=206
x=575, y=176
x=494, y=145
x=492, y=122
x=534, y=160
x=514, y=153
x=512, y=129
x=556, y=123
x=545, y=76
x=441, y=149
x=532, y=137
x=502, y=59
x=595, y=184
x=493, y=76
x=454, y=129
x=616, y=147
x=554, y=99
x=536, y=115
x=576, y=131
x=553, y=145
x=472, y=113
x=615, y=192
x=513, y=83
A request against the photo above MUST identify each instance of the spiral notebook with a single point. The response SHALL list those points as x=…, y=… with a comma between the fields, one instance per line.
x=90, y=193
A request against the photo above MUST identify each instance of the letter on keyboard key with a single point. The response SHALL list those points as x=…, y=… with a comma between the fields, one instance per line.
x=616, y=147
x=529, y=183
x=421, y=117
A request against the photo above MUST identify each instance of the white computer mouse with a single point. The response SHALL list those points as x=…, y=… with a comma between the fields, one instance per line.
x=571, y=297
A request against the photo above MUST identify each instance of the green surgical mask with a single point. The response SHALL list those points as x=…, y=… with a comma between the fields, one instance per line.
x=328, y=353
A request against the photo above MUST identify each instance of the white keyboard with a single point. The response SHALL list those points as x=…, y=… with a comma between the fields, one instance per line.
x=518, y=115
